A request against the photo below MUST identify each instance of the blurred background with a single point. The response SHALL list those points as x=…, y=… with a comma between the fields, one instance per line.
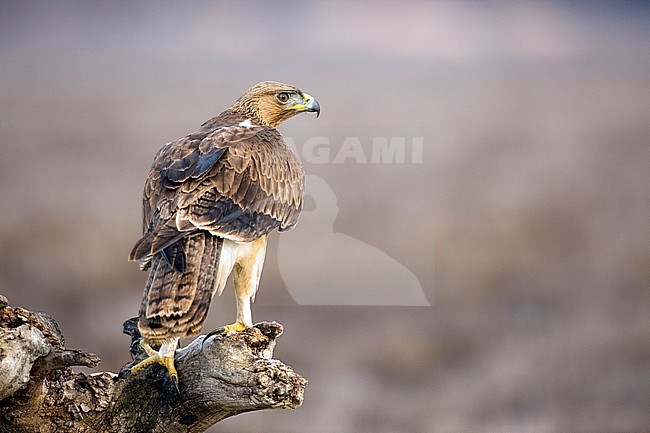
x=525, y=223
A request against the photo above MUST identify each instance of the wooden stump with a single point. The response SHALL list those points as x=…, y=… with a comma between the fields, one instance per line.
x=221, y=376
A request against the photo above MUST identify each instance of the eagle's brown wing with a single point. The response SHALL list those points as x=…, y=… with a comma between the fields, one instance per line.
x=236, y=182
x=255, y=186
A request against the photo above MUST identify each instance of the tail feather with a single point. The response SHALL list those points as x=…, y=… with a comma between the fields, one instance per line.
x=174, y=256
x=156, y=241
x=198, y=311
x=175, y=303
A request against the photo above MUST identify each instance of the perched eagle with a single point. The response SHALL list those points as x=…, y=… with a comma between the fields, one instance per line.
x=209, y=203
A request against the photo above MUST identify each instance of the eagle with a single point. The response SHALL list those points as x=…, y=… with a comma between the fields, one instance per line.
x=209, y=203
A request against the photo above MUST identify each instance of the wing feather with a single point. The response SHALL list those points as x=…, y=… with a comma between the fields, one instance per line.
x=240, y=182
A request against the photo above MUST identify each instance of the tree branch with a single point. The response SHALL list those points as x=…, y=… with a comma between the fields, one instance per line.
x=221, y=376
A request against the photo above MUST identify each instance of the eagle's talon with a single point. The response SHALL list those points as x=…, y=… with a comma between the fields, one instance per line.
x=165, y=361
x=165, y=358
x=168, y=362
x=218, y=331
x=223, y=330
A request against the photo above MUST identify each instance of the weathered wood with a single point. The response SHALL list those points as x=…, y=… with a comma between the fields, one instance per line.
x=221, y=376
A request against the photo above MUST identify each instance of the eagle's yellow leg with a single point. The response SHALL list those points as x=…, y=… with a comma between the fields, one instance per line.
x=165, y=357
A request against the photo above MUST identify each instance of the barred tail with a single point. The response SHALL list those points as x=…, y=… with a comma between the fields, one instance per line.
x=175, y=302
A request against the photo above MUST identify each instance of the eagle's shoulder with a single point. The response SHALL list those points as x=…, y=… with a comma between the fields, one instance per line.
x=193, y=155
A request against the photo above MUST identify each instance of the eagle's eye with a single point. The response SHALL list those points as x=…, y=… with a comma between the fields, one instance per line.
x=283, y=97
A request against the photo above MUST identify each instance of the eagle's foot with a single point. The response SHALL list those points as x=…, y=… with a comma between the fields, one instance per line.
x=223, y=330
x=237, y=327
x=163, y=357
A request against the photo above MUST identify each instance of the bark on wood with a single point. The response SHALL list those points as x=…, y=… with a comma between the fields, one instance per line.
x=220, y=376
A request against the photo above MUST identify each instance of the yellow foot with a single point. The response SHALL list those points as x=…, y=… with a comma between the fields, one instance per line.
x=166, y=361
x=237, y=327
x=234, y=327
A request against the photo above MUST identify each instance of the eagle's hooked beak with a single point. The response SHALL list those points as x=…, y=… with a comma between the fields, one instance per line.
x=311, y=104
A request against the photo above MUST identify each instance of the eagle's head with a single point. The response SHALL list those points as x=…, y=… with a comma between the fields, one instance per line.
x=271, y=103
